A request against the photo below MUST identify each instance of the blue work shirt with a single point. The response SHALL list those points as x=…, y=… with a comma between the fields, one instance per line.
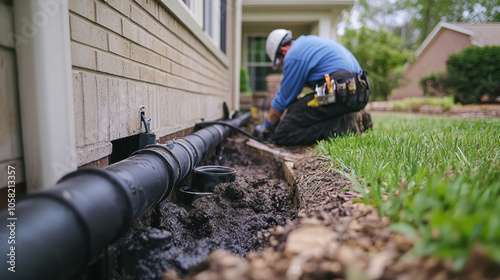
x=308, y=60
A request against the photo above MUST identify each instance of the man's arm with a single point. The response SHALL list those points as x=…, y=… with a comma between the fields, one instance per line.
x=265, y=131
x=274, y=116
x=294, y=77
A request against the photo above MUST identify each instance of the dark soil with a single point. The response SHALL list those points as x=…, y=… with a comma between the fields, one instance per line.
x=237, y=218
x=246, y=161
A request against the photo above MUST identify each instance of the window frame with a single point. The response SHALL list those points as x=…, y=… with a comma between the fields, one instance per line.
x=247, y=63
x=181, y=10
x=208, y=15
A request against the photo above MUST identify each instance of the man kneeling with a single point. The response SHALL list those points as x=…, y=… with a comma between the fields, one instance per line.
x=341, y=91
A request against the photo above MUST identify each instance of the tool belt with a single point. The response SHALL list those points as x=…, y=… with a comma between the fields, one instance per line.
x=344, y=87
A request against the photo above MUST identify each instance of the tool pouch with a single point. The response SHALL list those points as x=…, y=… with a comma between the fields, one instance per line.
x=351, y=89
x=328, y=98
x=364, y=91
x=352, y=92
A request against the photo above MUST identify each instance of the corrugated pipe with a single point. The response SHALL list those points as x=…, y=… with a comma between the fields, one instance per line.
x=60, y=230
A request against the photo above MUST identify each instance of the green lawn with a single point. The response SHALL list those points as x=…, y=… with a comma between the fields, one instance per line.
x=437, y=179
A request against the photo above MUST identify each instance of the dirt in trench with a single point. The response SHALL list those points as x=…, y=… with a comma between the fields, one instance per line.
x=246, y=161
x=238, y=218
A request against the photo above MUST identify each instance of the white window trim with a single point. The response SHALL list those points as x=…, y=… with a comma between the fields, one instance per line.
x=246, y=63
x=183, y=14
x=204, y=17
x=195, y=8
x=214, y=19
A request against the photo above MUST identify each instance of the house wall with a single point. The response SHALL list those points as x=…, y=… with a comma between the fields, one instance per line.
x=432, y=59
x=127, y=54
x=11, y=153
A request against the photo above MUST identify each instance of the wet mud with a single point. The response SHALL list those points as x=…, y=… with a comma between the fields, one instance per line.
x=246, y=161
x=238, y=218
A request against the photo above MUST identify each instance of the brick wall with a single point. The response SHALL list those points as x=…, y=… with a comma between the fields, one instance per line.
x=130, y=53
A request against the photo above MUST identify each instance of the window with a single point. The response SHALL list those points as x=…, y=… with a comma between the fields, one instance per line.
x=258, y=63
x=211, y=15
x=208, y=17
x=223, y=24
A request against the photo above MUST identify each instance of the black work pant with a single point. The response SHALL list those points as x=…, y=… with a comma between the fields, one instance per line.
x=303, y=125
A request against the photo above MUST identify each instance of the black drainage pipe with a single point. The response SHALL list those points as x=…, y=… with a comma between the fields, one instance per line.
x=54, y=233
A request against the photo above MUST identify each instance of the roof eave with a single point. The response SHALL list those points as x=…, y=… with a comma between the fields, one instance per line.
x=436, y=30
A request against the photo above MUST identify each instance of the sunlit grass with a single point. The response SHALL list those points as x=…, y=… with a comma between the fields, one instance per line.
x=437, y=179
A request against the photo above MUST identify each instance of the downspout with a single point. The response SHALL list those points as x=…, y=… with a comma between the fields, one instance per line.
x=45, y=89
x=58, y=231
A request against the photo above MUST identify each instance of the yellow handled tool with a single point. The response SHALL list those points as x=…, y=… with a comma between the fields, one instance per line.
x=313, y=102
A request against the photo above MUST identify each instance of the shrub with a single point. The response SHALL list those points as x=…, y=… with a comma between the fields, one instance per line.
x=474, y=72
x=399, y=105
x=435, y=84
x=244, y=81
x=446, y=103
x=382, y=54
x=414, y=104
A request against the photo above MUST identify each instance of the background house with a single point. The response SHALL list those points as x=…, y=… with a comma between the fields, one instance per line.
x=260, y=17
x=444, y=40
x=74, y=75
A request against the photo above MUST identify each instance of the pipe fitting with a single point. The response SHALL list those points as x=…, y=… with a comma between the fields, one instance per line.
x=189, y=195
x=205, y=178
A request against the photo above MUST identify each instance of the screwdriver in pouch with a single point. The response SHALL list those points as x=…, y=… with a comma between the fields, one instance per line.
x=329, y=83
x=318, y=90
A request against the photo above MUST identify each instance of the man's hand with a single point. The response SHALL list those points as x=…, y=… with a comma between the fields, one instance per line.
x=265, y=131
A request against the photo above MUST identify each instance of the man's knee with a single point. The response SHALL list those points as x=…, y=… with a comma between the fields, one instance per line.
x=295, y=135
x=367, y=120
x=356, y=122
x=289, y=134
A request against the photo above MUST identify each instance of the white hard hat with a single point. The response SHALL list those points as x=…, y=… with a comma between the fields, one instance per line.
x=274, y=41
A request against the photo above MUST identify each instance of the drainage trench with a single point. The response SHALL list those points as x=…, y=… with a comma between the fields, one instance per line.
x=118, y=219
x=238, y=217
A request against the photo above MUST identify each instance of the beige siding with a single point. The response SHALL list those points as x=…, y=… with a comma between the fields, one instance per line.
x=432, y=59
x=130, y=53
x=10, y=125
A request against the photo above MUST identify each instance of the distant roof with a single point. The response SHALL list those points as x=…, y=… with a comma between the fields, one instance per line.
x=486, y=34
